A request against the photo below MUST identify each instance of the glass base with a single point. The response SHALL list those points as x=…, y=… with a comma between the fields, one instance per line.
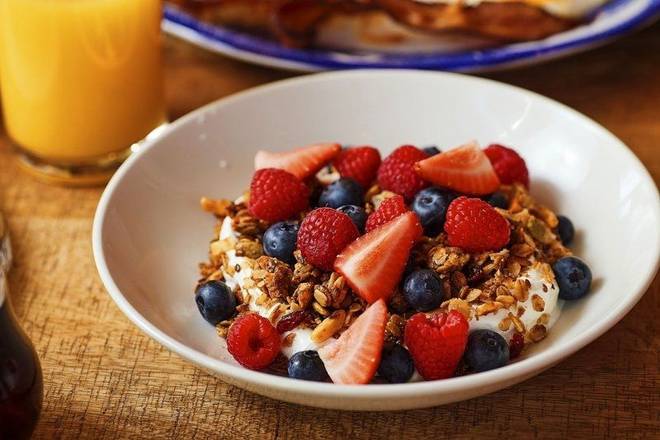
x=94, y=172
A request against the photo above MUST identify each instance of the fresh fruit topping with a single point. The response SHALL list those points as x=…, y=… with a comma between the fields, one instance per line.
x=475, y=226
x=342, y=192
x=253, y=341
x=573, y=277
x=291, y=320
x=354, y=357
x=516, y=345
x=431, y=205
x=396, y=364
x=464, y=169
x=397, y=173
x=279, y=241
x=357, y=214
x=423, y=290
x=388, y=210
x=374, y=263
x=486, y=350
x=307, y=365
x=301, y=162
x=431, y=150
x=498, y=200
x=215, y=301
x=436, y=343
x=277, y=195
x=508, y=164
x=565, y=230
x=323, y=234
x=359, y=163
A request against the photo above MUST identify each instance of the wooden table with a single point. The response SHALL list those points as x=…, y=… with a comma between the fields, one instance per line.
x=105, y=379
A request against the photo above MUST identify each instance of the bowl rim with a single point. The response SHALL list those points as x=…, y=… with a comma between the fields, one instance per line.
x=521, y=369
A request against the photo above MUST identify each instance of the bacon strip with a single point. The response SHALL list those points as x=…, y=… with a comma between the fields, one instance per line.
x=295, y=22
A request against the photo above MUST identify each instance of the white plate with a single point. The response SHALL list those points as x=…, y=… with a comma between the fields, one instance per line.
x=421, y=51
x=149, y=233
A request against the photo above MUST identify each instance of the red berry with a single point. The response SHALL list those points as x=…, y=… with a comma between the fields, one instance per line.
x=465, y=169
x=360, y=164
x=436, y=343
x=389, y=209
x=277, y=195
x=516, y=345
x=253, y=341
x=508, y=164
x=374, y=263
x=397, y=173
x=291, y=320
x=354, y=357
x=301, y=162
x=323, y=234
x=475, y=226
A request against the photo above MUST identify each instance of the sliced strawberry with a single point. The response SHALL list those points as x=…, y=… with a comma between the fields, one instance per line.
x=465, y=169
x=354, y=357
x=374, y=263
x=301, y=162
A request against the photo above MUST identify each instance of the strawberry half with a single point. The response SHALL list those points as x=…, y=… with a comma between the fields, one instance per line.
x=301, y=162
x=354, y=357
x=465, y=169
x=374, y=263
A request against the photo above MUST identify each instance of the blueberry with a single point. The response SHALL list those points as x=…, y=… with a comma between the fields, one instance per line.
x=396, y=364
x=342, y=192
x=307, y=365
x=565, y=229
x=431, y=150
x=486, y=350
x=430, y=205
x=357, y=214
x=280, y=241
x=215, y=301
x=573, y=277
x=498, y=200
x=423, y=290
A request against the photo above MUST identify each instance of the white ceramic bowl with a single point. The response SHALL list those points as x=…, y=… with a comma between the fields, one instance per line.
x=149, y=233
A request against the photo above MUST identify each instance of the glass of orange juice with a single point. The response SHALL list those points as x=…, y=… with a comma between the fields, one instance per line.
x=81, y=83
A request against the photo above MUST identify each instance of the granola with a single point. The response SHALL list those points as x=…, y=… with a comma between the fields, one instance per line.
x=511, y=291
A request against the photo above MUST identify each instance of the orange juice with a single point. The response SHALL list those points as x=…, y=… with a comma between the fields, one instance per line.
x=80, y=79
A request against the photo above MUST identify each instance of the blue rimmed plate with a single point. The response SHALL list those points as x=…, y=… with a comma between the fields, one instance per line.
x=613, y=20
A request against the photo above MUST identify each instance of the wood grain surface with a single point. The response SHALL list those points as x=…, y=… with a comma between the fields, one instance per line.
x=104, y=379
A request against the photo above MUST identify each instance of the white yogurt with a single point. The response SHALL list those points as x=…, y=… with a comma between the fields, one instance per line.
x=302, y=341
x=530, y=316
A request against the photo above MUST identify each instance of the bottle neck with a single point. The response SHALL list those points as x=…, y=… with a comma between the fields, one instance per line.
x=3, y=288
x=5, y=260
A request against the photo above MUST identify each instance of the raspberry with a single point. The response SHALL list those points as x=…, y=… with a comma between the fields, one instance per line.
x=474, y=226
x=360, y=164
x=436, y=343
x=323, y=234
x=277, y=195
x=397, y=172
x=389, y=209
x=253, y=341
x=508, y=164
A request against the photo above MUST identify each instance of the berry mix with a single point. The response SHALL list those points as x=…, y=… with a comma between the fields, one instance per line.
x=339, y=266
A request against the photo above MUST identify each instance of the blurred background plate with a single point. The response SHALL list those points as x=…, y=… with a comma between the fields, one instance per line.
x=613, y=20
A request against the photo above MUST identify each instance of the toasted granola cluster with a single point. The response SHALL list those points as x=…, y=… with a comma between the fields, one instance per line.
x=474, y=284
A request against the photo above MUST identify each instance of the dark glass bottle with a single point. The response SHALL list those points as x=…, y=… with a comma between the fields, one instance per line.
x=21, y=386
